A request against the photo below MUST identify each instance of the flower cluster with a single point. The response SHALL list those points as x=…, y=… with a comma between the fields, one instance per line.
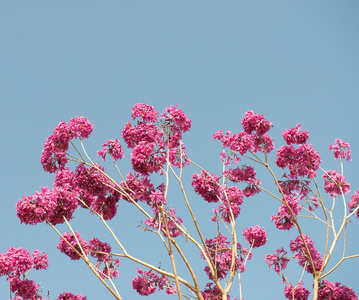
x=341, y=150
x=75, y=247
x=207, y=185
x=16, y=263
x=284, y=220
x=354, y=202
x=53, y=156
x=70, y=296
x=229, y=209
x=113, y=148
x=146, y=282
x=245, y=174
x=301, y=161
x=295, y=136
x=299, y=292
x=334, y=183
x=302, y=256
x=169, y=221
x=151, y=139
x=278, y=260
x=255, y=236
x=330, y=291
x=221, y=255
x=212, y=292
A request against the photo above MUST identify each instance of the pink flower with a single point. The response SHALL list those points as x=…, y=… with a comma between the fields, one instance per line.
x=146, y=112
x=299, y=292
x=341, y=150
x=113, y=148
x=145, y=160
x=255, y=122
x=277, y=260
x=145, y=282
x=353, y=204
x=302, y=256
x=255, y=236
x=66, y=249
x=26, y=289
x=40, y=260
x=212, y=292
x=245, y=174
x=70, y=296
x=206, y=185
x=334, y=183
x=80, y=127
x=232, y=198
x=295, y=136
x=283, y=220
x=330, y=291
x=171, y=220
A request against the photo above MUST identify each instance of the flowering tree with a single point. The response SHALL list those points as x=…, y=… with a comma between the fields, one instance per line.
x=158, y=152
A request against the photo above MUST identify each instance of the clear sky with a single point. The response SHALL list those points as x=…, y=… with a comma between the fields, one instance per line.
x=293, y=61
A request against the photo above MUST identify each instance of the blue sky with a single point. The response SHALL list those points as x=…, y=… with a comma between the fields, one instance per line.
x=293, y=61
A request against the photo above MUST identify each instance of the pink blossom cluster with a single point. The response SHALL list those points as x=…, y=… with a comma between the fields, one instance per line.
x=284, y=220
x=354, y=202
x=278, y=260
x=172, y=221
x=146, y=282
x=70, y=296
x=221, y=254
x=207, y=185
x=301, y=161
x=17, y=262
x=97, y=249
x=330, y=291
x=299, y=292
x=302, y=256
x=229, y=209
x=212, y=292
x=334, y=183
x=296, y=136
x=53, y=156
x=150, y=139
x=245, y=174
x=255, y=236
x=293, y=186
x=341, y=150
x=113, y=148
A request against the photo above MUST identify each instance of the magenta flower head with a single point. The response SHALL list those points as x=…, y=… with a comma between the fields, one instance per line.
x=80, y=127
x=353, y=204
x=334, y=183
x=299, y=292
x=65, y=248
x=255, y=122
x=207, y=185
x=144, y=111
x=70, y=296
x=277, y=260
x=295, y=135
x=255, y=236
x=341, y=150
x=113, y=148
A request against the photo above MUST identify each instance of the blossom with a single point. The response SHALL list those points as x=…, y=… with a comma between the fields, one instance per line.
x=255, y=236
x=221, y=255
x=232, y=198
x=301, y=161
x=70, y=296
x=353, y=204
x=302, y=256
x=334, y=183
x=80, y=127
x=284, y=220
x=212, y=292
x=330, y=291
x=341, y=150
x=172, y=221
x=26, y=288
x=278, y=260
x=255, y=122
x=145, y=112
x=299, y=292
x=15, y=261
x=69, y=251
x=145, y=282
x=245, y=174
x=40, y=260
x=113, y=148
x=145, y=160
x=206, y=185
x=295, y=135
